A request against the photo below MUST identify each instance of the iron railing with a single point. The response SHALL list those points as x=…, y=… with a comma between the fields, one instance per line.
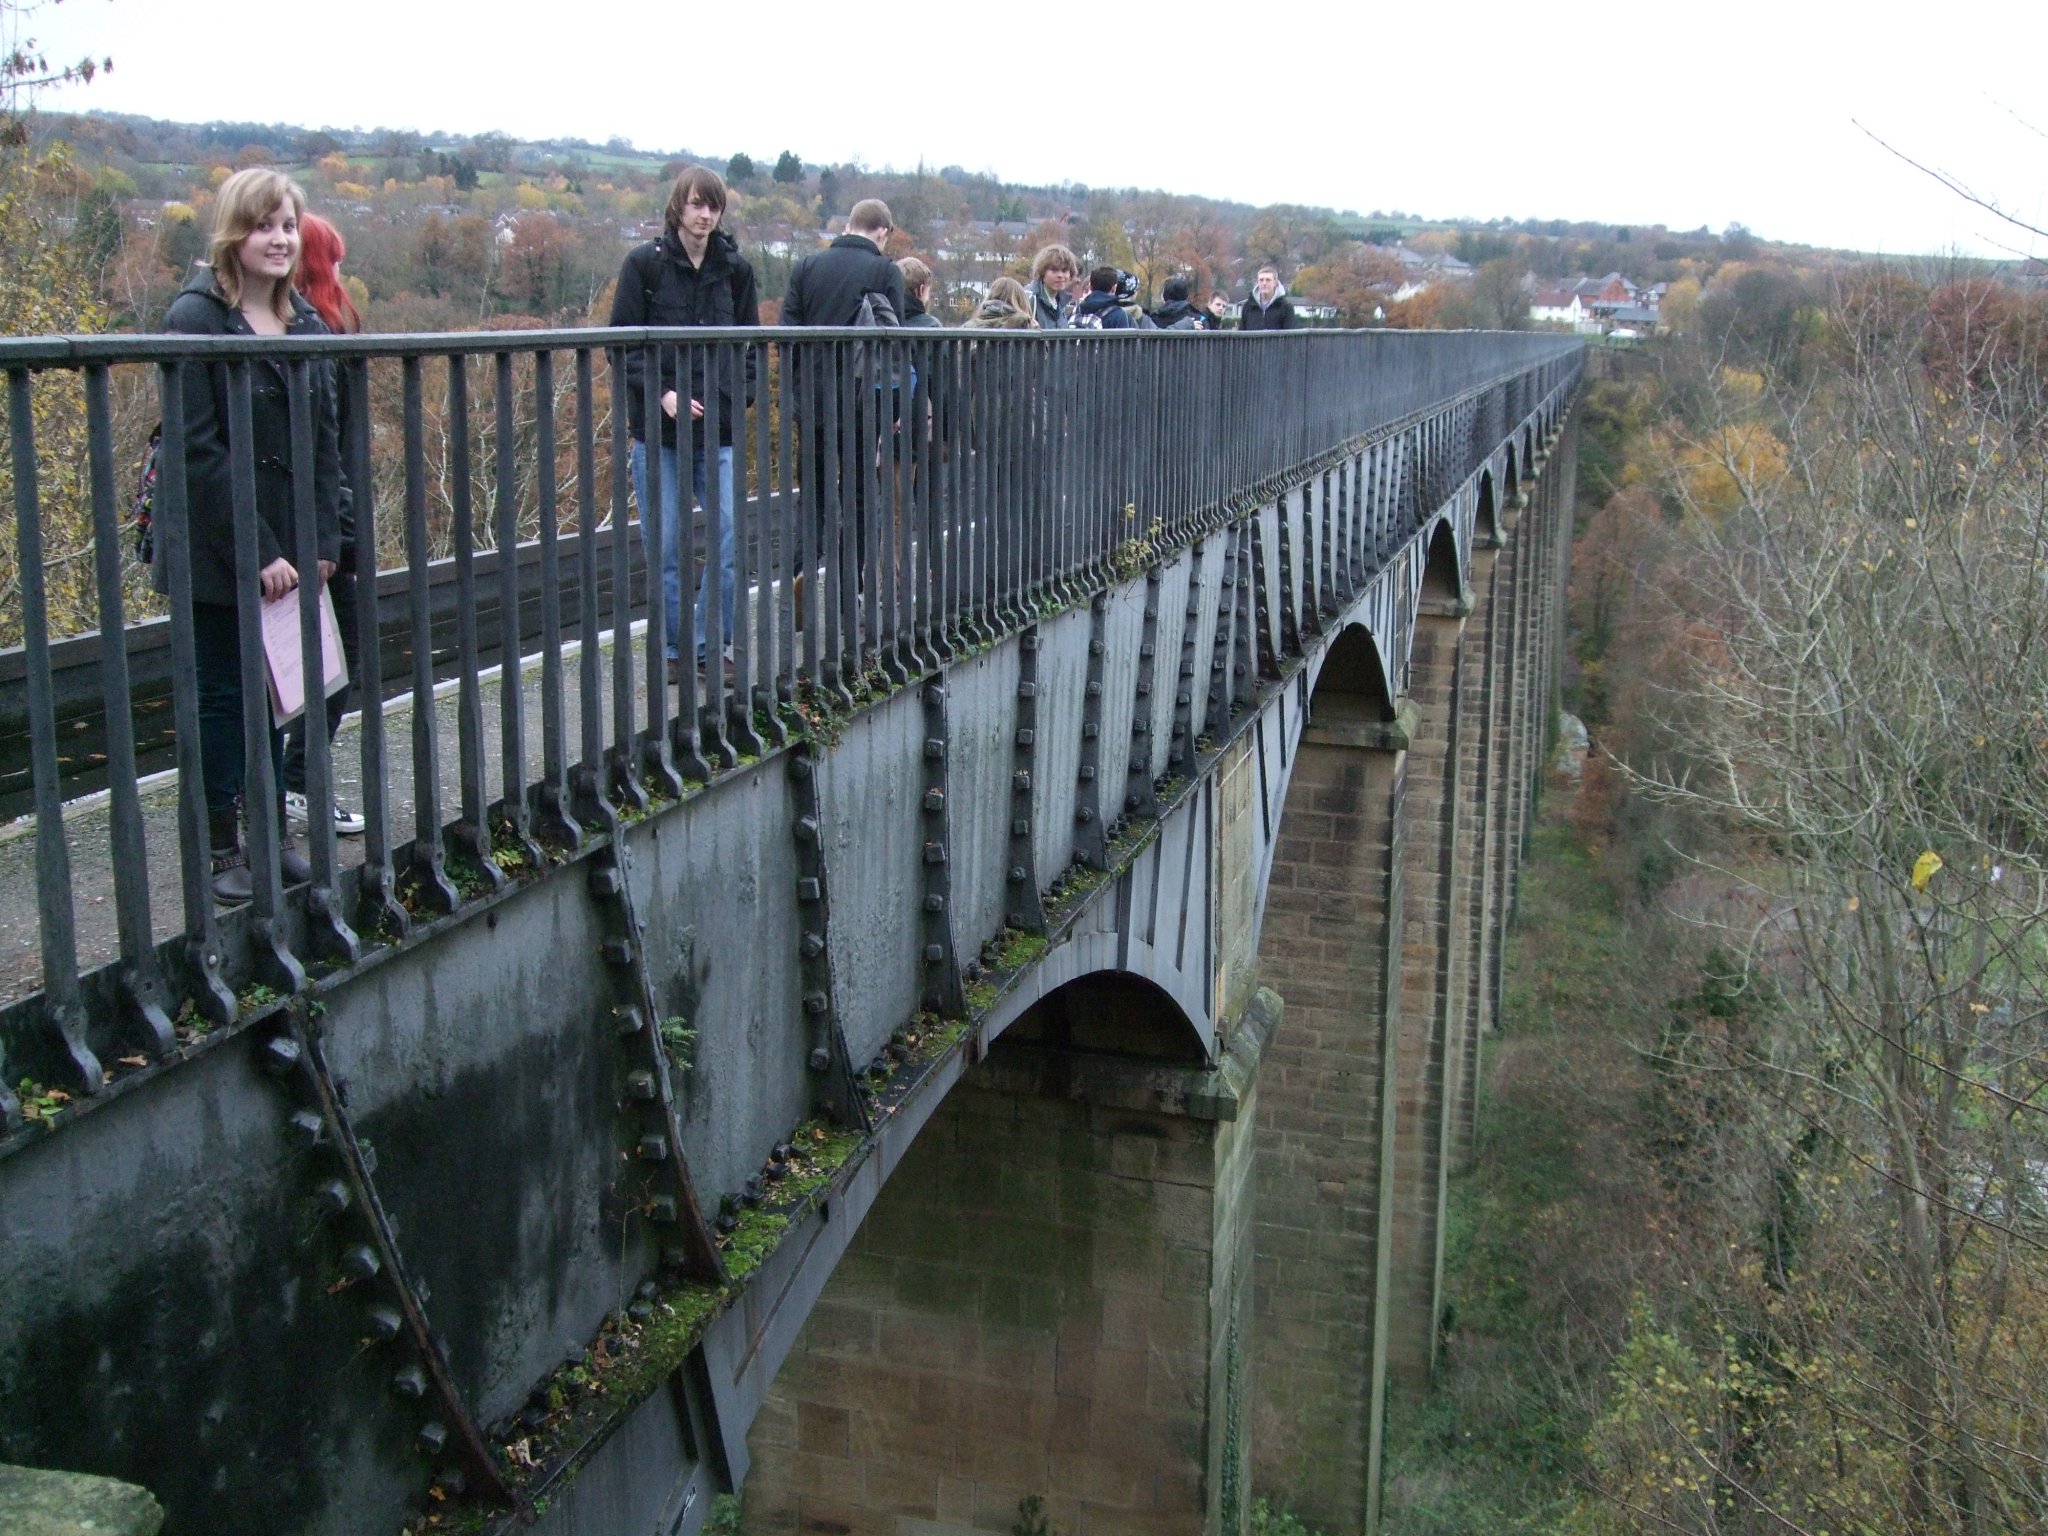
x=906, y=497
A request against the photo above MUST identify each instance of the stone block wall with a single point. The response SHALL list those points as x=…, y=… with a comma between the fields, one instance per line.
x=1427, y=992
x=1329, y=944
x=1047, y=1299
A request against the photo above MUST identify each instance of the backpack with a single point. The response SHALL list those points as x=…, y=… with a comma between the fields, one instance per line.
x=1089, y=321
x=144, y=502
x=875, y=313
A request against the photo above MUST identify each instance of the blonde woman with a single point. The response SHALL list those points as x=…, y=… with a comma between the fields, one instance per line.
x=244, y=288
x=1007, y=307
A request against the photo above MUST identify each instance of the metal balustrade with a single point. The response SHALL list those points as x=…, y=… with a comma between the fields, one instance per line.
x=904, y=496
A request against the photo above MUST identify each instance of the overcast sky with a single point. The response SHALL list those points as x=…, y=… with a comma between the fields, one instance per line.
x=1680, y=115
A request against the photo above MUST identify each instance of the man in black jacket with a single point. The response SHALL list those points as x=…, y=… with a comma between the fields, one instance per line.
x=826, y=289
x=827, y=286
x=1268, y=308
x=693, y=275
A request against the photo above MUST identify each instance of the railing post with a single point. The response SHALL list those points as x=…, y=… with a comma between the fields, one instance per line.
x=553, y=795
x=377, y=907
x=262, y=796
x=63, y=1005
x=213, y=998
x=141, y=982
x=426, y=879
x=327, y=931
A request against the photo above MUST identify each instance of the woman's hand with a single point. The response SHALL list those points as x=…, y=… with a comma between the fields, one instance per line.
x=278, y=578
x=696, y=410
x=327, y=570
x=668, y=404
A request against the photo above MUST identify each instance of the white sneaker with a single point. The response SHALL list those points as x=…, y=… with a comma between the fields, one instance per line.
x=347, y=823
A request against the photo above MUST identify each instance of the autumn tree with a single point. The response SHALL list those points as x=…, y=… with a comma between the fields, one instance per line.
x=1290, y=237
x=1499, y=301
x=1202, y=250
x=534, y=266
x=1855, y=708
x=1681, y=304
x=1153, y=222
x=453, y=256
x=101, y=231
x=45, y=289
x=1360, y=280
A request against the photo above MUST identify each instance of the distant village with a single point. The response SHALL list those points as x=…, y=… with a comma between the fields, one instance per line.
x=447, y=232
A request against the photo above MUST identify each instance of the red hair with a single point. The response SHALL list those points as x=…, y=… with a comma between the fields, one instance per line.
x=321, y=249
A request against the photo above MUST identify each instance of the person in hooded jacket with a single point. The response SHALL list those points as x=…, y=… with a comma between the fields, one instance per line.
x=1175, y=313
x=1127, y=301
x=1101, y=310
x=1268, y=309
x=1006, y=307
x=244, y=288
x=693, y=275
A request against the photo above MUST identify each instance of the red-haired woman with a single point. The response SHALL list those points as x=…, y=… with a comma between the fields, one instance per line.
x=321, y=250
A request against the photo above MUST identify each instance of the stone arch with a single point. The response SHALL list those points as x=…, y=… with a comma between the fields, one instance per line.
x=1513, y=480
x=1354, y=681
x=1485, y=525
x=1050, y=1297
x=1117, y=1012
x=1443, y=573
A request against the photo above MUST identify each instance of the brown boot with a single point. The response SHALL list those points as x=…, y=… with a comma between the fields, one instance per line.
x=292, y=867
x=232, y=882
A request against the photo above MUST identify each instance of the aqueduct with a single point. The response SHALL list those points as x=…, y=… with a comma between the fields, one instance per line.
x=1012, y=1044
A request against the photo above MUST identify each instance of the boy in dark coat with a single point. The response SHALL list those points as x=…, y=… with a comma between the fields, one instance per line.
x=693, y=275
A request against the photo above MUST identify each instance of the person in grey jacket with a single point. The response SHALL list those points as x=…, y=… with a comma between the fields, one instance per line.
x=1054, y=271
x=1268, y=308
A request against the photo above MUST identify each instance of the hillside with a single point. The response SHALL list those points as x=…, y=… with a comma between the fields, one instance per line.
x=451, y=231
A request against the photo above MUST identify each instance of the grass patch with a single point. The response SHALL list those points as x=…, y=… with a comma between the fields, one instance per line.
x=1541, y=1235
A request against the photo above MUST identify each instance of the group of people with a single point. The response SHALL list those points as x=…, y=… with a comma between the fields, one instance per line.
x=694, y=274
x=273, y=269
x=1056, y=301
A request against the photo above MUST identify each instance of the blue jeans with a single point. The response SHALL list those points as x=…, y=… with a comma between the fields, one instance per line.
x=665, y=535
